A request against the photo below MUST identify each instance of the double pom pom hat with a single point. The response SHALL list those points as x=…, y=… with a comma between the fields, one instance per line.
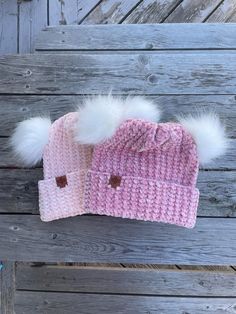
x=112, y=157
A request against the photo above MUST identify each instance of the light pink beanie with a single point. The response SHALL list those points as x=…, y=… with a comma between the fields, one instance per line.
x=65, y=164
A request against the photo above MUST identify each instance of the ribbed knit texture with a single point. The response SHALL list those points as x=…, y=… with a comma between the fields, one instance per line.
x=157, y=166
x=63, y=157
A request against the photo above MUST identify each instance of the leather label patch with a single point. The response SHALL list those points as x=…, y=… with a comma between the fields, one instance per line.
x=61, y=181
x=114, y=181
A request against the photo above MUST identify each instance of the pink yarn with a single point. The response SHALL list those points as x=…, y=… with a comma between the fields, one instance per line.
x=63, y=160
x=155, y=168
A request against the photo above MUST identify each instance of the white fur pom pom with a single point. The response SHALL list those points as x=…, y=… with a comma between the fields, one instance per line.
x=100, y=116
x=141, y=108
x=209, y=135
x=29, y=139
x=98, y=120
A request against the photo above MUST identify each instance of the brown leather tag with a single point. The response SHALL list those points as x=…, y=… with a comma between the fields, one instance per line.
x=114, y=181
x=61, y=181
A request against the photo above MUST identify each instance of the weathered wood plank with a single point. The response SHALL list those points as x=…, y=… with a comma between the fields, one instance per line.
x=110, y=11
x=32, y=19
x=8, y=26
x=149, y=11
x=65, y=12
x=192, y=11
x=151, y=37
x=147, y=266
x=42, y=302
x=14, y=109
x=118, y=265
x=126, y=281
x=232, y=18
x=172, y=73
x=117, y=240
x=227, y=162
x=19, y=192
x=7, y=288
x=210, y=268
x=223, y=13
x=217, y=193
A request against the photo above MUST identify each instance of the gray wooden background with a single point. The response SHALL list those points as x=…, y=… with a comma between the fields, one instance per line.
x=21, y=21
x=193, y=289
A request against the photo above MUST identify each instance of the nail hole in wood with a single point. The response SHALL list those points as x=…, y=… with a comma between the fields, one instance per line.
x=54, y=236
x=152, y=78
x=15, y=228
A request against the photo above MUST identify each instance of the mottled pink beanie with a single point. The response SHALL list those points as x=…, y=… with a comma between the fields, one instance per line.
x=142, y=169
x=146, y=171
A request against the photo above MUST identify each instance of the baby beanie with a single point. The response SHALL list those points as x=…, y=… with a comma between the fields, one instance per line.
x=146, y=171
x=142, y=169
x=65, y=163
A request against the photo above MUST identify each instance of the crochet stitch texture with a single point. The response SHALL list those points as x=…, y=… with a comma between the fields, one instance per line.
x=146, y=171
x=65, y=163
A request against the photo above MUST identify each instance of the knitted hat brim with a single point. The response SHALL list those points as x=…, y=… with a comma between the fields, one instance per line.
x=142, y=199
x=62, y=197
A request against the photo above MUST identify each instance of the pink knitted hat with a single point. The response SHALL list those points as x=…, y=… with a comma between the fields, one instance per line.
x=65, y=164
x=146, y=170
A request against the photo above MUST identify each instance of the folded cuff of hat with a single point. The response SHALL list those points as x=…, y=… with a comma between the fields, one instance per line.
x=62, y=196
x=139, y=198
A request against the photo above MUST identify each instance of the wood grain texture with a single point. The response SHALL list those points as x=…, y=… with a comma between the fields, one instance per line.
x=149, y=37
x=217, y=193
x=8, y=26
x=63, y=12
x=19, y=192
x=149, y=11
x=126, y=281
x=16, y=108
x=172, y=73
x=7, y=288
x=226, y=162
x=223, y=13
x=232, y=18
x=110, y=11
x=42, y=302
x=32, y=19
x=117, y=240
x=192, y=11
x=210, y=268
